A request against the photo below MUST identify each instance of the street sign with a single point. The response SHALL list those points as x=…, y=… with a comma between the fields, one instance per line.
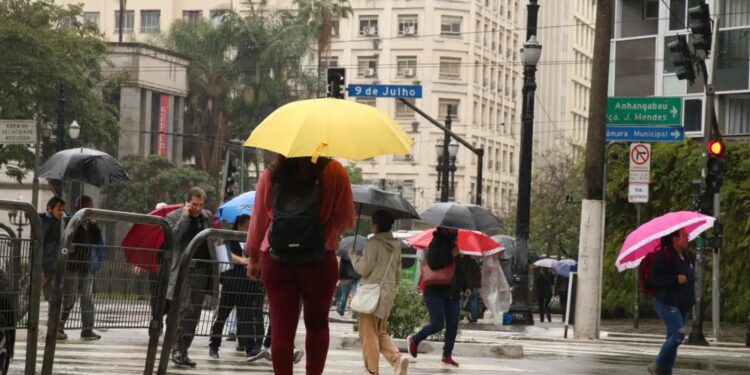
x=638, y=193
x=644, y=134
x=385, y=91
x=17, y=132
x=640, y=163
x=654, y=111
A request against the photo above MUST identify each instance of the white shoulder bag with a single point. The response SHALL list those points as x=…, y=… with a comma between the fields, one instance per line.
x=367, y=297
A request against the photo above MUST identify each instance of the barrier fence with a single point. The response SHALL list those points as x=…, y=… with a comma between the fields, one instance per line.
x=20, y=278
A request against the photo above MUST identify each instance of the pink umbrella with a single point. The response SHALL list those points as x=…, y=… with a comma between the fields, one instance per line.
x=469, y=242
x=646, y=238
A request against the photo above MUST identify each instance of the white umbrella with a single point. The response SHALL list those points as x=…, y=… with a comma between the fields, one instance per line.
x=546, y=262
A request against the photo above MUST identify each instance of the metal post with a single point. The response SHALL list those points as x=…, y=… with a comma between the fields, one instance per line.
x=480, y=178
x=452, y=192
x=37, y=161
x=446, y=157
x=122, y=20
x=636, y=295
x=715, y=274
x=521, y=280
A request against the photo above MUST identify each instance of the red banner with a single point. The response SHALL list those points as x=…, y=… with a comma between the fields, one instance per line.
x=163, y=124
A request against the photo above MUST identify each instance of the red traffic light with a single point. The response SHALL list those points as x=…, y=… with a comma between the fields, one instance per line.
x=716, y=148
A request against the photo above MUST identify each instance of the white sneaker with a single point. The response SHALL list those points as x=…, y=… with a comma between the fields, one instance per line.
x=298, y=355
x=401, y=367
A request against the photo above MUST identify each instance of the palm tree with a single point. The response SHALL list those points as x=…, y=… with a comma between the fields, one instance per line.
x=319, y=16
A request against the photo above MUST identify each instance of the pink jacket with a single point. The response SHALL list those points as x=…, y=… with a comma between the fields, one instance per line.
x=336, y=209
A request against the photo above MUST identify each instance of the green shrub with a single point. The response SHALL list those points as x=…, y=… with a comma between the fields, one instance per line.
x=409, y=312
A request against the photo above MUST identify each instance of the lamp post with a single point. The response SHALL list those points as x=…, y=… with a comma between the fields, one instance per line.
x=446, y=168
x=74, y=131
x=19, y=219
x=530, y=55
x=452, y=151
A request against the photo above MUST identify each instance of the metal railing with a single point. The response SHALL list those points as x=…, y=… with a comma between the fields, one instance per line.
x=176, y=309
x=121, y=304
x=24, y=271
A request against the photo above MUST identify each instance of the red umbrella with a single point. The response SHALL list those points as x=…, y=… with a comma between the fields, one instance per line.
x=469, y=242
x=142, y=240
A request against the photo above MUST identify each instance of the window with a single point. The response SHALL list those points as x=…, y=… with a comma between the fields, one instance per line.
x=443, y=108
x=329, y=62
x=368, y=25
x=129, y=21
x=450, y=25
x=91, y=17
x=450, y=68
x=406, y=66
x=634, y=19
x=367, y=101
x=150, y=21
x=192, y=15
x=478, y=32
x=693, y=115
x=335, y=26
x=634, y=67
x=403, y=110
x=651, y=9
x=408, y=25
x=732, y=71
x=367, y=66
x=477, y=71
x=678, y=13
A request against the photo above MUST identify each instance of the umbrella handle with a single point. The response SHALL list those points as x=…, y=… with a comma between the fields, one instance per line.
x=356, y=226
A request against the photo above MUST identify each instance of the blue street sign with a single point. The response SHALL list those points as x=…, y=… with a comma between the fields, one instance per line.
x=385, y=91
x=645, y=134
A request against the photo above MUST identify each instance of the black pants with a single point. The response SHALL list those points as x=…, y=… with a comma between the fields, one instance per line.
x=192, y=305
x=247, y=297
x=543, y=301
x=563, y=303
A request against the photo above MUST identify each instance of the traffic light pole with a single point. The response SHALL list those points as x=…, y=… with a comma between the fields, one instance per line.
x=696, y=336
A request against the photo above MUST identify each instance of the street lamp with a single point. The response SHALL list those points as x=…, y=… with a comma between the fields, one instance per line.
x=453, y=151
x=439, y=168
x=18, y=219
x=530, y=55
x=74, y=130
x=446, y=166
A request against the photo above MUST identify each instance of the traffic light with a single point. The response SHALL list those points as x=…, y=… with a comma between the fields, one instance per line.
x=700, y=26
x=336, y=83
x=684, y=59
x=715, y=165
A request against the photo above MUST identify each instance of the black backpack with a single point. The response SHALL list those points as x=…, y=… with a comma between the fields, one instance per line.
x=297, y=235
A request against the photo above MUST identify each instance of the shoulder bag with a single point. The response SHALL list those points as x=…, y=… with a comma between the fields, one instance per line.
x=366, y=299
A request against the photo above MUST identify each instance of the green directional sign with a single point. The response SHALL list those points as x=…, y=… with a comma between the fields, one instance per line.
x=656, y=111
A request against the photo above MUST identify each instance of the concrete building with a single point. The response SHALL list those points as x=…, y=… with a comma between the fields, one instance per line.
x=643, y=64
x=566, y=31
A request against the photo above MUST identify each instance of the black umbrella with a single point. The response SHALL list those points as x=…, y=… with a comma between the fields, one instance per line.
x=351, y=242
x=368, y=199
x=84, y=164
x=460, y=216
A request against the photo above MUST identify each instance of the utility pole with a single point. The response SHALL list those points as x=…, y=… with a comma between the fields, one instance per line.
x=530, y=56
x=444, y=188
x=591, y=243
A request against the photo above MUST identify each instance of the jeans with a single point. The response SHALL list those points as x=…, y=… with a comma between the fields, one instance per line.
x=674, y=319
x=444, y=312
x=246, y=296
x=348, y=286
x=473, y=301
x=287, y=284
x=78, y=286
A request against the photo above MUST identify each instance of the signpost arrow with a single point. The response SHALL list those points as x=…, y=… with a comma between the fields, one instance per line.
x=644, y=134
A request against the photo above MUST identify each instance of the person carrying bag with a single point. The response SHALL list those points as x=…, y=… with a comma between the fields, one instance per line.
x=380, y=267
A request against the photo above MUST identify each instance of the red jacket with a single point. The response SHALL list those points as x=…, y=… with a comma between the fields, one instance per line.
x=336, y=209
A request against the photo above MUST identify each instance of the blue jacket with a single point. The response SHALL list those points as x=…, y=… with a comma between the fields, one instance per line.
x=51, y=246
x=663, y=278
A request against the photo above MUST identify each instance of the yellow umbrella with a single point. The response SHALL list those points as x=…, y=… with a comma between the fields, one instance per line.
x=330, y=128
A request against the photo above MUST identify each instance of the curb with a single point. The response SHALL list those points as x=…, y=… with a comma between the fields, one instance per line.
x=505, y=351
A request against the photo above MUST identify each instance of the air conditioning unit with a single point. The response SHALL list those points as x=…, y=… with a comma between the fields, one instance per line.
x=409, y=30
x=370, y=72
x=370, y=31
x=409, y=72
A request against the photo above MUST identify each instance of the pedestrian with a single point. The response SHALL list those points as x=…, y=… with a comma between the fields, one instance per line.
x=348, y=278
x=78, y=283
x=561, y=287
x=443, y=298
x=543, y=293
x=186, y=223
x=52, y=220
x=249, y=313
x=380, y=263
x=474, y=274
x=672, y=276
x=301, y=208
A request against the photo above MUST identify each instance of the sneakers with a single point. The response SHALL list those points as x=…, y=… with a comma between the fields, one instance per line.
x=412, y=346
x=298, y=355
x=401, y=367
x=89, y=334
x=449, y=361
x=256, y=354
x=61, y=335
x=182, y=359
x=654, y=369
x=213, y=352
x=267, y=356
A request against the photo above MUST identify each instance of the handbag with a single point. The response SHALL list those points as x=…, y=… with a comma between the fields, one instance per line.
x=367, y=297
x=441, y=276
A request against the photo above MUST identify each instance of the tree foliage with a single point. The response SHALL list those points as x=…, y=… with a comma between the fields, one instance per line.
x=355, y=173
x=47, y=51
x=673, y=168
x=155, y=180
